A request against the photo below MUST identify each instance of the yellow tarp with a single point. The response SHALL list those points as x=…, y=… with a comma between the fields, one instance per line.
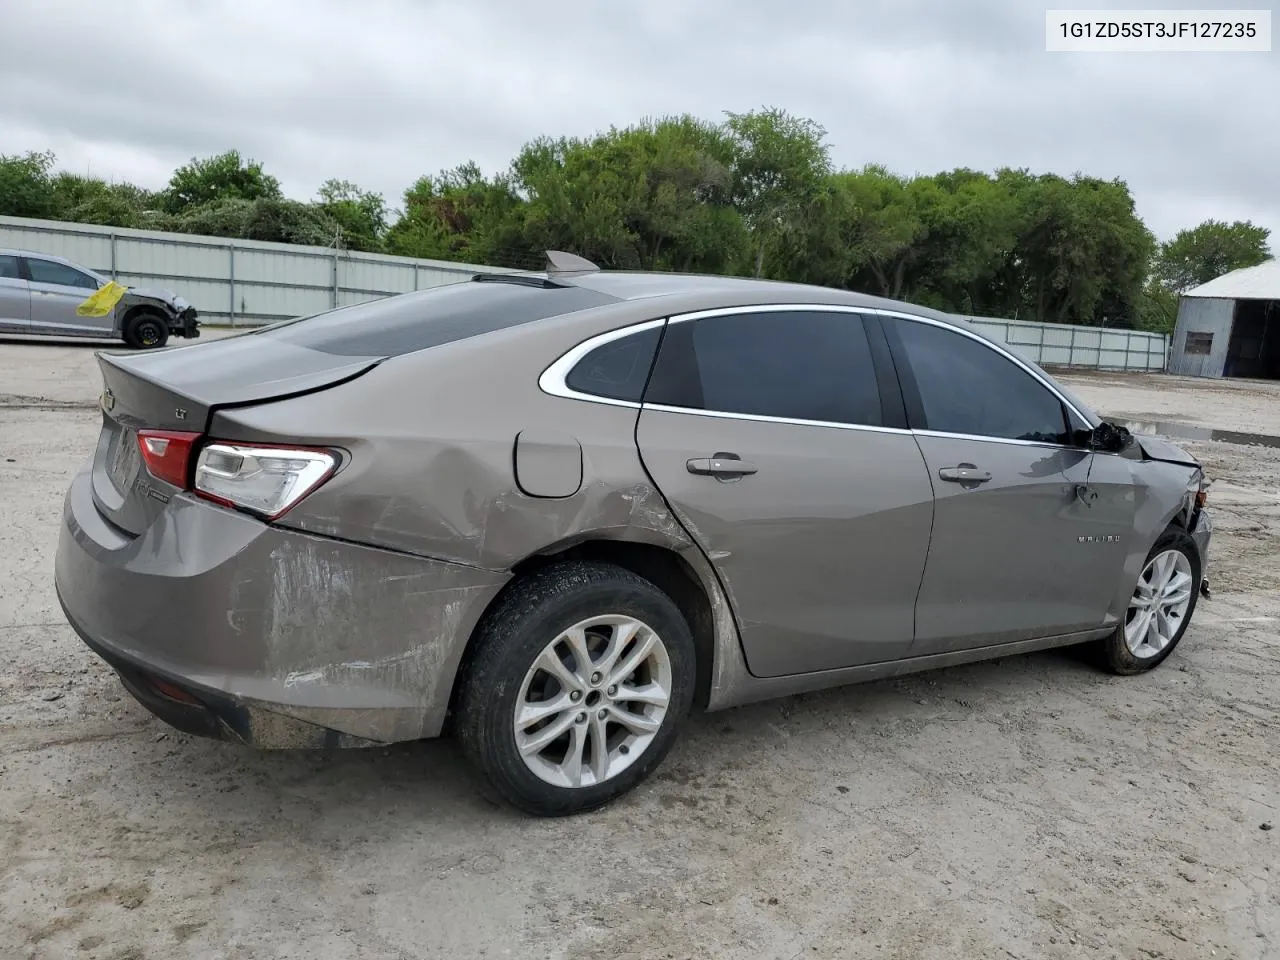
x=102, y=301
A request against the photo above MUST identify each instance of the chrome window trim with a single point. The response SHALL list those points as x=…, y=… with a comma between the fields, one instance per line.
x=552, y=380
x=762, y=418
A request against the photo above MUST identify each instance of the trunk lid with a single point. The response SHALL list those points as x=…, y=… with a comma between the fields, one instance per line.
x=179, y=390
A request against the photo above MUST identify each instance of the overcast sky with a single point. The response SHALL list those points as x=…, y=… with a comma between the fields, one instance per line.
x=381, y=91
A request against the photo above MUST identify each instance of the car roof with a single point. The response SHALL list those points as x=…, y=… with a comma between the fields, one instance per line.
x=735, y=291
x=13, y=252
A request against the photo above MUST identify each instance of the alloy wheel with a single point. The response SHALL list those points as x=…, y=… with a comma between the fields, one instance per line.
x=1159, y=605
x=593, y=701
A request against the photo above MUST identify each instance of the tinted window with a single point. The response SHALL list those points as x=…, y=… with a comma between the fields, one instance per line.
x=618, y=369
x=47, y=271
x=966, y=387
x=9, y=268
x=804, y=365
x=414, y=321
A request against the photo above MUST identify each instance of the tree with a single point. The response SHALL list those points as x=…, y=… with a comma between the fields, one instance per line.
x=360, y=215
x=92, y=200
x=224, y=177
x=26, y=187
x=1200, y=254
x=461, y=215
x=780, y=165
x=654, y=196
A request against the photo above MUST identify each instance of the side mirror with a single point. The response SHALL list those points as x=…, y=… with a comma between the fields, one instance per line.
x=1110, y=437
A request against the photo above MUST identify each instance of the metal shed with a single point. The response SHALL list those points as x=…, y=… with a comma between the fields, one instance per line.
x=1230, y=326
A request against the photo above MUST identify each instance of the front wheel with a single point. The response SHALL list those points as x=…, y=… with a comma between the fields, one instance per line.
x=581, y=677
x=1160, y=609
x=146, y=330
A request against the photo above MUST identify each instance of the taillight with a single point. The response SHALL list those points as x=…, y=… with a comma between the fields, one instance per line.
x=167, y=454
x=265, y=480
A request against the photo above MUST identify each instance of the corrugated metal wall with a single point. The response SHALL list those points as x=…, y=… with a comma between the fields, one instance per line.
x=248, y=282
x=1058, y=344
x=233, y=281
x=1202, y=315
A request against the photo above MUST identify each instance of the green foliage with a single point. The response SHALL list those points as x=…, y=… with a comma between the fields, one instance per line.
x=1202, y=253
x=755, y=195
x=224, y=177
x=26, y=188
x=360, y=215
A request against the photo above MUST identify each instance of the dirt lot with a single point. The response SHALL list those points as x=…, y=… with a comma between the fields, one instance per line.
x=1028, y=808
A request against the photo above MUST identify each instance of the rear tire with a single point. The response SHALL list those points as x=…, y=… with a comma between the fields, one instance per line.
x=1160, y=610
x=557, y=730
x=146, y=330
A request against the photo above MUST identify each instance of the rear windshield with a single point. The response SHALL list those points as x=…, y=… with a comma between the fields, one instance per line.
x=415, y=321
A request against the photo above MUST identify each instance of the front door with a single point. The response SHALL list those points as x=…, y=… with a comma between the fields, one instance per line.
x=15, y=296
x=766, y=433
x=1024, y=543
x=57, y=289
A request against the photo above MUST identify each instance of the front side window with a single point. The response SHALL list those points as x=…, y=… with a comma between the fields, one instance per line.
x=792, y=364
x=50, y=271
x=9, y=267
x=967, y=387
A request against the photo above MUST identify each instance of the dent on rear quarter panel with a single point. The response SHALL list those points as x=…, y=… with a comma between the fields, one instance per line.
x=432, y=444
x=432, y=438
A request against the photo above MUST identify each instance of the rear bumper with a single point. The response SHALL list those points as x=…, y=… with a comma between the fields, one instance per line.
x=284, y=639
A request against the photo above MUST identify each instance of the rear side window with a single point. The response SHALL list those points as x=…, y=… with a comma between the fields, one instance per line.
x=966, y=387
x=49, y=271
x=619, y=369
x=797, y=365
x=9, y=268
x=415, y=321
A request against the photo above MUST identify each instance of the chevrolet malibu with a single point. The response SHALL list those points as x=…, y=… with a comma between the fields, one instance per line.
x=552, y=513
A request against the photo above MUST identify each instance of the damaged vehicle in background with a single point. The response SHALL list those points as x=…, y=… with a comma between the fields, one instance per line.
x=551, y=513
x=47, y=295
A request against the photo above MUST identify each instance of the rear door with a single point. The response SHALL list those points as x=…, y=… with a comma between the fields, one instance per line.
x=1022, y=545
x=56, y=290
x=15, y=296
x=780, y=445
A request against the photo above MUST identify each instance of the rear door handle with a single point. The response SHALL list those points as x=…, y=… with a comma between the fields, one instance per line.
x=964, y=473
x=721, y=466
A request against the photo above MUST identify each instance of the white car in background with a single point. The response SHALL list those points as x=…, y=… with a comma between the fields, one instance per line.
x=44, y=294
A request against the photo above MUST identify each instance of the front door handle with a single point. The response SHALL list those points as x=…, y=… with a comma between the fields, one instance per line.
x=721, y=465
x=964, y=473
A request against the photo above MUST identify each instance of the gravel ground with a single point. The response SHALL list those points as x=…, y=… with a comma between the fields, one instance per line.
x=1027, y=808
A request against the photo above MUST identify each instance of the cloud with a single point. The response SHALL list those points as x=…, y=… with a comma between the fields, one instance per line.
x=383, y=91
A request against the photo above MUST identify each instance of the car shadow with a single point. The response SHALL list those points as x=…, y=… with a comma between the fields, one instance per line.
x=399, y=785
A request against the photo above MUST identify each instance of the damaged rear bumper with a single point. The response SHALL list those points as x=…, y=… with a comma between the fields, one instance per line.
x=229, y=627
x=204, y=712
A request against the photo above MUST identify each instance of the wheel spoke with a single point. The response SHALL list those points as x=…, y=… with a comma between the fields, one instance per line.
x=550, y=662
x=577, y=640
x=650, y=693
x=634, y=722
x=639, y=653
x=531, y=713
x=598, y=730
x=1154, y=638
x=572, y=765
x=533, y=745
x=623, y=634
x=1182, y=595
